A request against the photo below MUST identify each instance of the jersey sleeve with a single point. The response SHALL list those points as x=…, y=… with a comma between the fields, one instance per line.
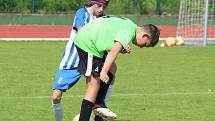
x=125, y=37
x=79, y=19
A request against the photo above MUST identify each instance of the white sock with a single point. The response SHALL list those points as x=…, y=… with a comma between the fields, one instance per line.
x=109, y=91
x=58, y=110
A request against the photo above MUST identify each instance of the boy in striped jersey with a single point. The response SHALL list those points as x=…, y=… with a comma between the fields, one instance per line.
x=68, y=75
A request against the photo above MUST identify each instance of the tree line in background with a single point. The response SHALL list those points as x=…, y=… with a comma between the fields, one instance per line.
x=69, y=6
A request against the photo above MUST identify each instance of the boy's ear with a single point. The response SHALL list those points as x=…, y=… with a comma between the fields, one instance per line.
x=146, y=35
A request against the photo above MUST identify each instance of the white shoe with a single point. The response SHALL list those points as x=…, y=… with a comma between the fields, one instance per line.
x=105, y=113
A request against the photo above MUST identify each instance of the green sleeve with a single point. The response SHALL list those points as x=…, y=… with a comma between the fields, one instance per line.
x=125, y=37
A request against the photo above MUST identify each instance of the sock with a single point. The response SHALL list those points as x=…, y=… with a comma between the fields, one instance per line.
x=103, y=95
x=100, y=99
x=58, y=110
x=109, y=91
x=97, y=118
x=86, y=110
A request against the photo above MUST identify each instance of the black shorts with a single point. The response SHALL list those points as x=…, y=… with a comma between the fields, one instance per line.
x=89, y=64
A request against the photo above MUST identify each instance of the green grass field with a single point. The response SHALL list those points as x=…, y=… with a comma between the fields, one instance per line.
x=153, y=84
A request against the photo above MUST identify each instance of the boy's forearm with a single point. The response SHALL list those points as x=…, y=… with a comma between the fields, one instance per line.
x=108, y=62
x=111, y=57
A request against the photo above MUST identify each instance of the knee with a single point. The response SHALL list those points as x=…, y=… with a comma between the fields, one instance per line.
x=56, y=97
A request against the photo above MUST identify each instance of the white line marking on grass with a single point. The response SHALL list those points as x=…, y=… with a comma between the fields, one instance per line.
x=116, y=95
x=165, y=94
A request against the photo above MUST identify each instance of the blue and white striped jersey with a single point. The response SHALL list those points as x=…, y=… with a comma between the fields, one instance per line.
x=70, y=57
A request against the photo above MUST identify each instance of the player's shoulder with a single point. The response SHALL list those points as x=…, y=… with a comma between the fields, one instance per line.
x=81, y=11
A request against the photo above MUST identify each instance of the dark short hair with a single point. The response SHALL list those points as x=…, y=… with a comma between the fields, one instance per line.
x=154, y=33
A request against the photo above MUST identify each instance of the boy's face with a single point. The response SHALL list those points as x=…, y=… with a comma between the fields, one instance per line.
x=142, y=38
x=98, y=9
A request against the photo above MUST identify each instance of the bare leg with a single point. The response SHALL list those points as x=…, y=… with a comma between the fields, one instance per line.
x=93, y=85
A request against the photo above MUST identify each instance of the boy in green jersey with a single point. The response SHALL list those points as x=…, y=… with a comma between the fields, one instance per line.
x=98, y=44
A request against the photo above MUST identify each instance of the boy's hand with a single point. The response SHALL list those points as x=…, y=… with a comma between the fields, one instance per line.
x=126, y=50
x=104, y=77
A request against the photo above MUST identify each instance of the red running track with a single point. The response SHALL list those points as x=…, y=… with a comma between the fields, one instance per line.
x=53, y=31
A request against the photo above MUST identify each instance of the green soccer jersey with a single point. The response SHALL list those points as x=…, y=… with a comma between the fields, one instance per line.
x=99, y=36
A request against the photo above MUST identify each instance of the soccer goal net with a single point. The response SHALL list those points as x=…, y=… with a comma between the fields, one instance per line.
x=196, y=22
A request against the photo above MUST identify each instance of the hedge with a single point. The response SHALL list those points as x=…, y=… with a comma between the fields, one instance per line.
x=68, y=6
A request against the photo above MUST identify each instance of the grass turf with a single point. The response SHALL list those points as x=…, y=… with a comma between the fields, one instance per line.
x=153, y=84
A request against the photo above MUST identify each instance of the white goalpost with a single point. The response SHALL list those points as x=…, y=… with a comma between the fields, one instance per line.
x=196, y=22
